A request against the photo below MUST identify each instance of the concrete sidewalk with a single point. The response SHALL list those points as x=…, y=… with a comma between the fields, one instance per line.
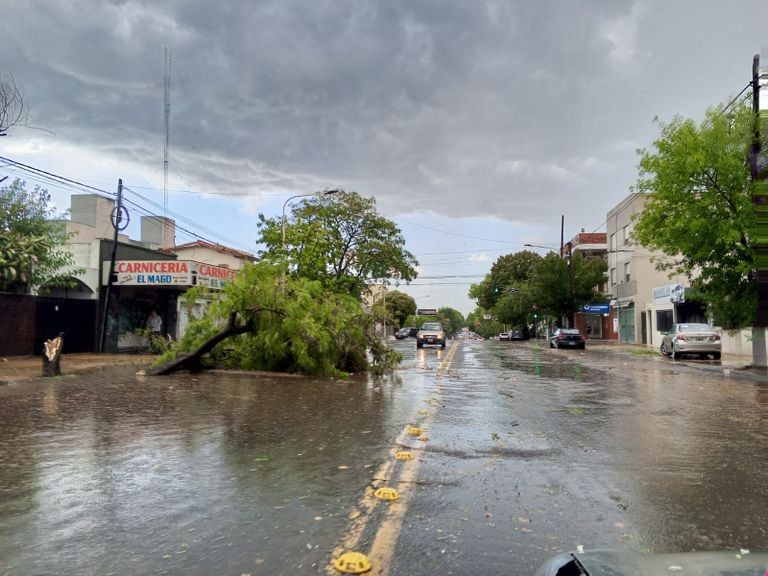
x=19, y=368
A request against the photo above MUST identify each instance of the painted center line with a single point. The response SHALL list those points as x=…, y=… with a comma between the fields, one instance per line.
x=402, y=474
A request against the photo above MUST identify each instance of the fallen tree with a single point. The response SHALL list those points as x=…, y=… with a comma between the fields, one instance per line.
x=193, y=360
x=272, y=321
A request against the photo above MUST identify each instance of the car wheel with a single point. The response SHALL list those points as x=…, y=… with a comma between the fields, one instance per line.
x=551, y=344
x=675, y=353
x=419, y=345
x=663, y=350
x=442, y=345
x=583, y=346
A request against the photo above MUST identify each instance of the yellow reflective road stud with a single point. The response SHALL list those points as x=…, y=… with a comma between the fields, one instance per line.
x=414, y=430
x=385, y=493
x=404, y=455
x=352, y=563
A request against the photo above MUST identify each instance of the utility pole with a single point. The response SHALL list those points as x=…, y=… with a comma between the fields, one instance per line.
x=759, y=201
x=118, y=225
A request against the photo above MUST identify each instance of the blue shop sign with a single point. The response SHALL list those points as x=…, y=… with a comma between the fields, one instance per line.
x=597, y=308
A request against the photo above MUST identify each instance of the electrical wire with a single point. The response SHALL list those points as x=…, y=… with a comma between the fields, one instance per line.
x=50, y=176
x=68, y=184
x=179, y=217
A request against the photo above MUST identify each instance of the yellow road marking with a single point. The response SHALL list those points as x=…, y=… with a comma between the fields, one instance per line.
x=383, y=545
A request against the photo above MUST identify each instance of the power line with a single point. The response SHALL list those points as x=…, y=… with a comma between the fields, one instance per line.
x=50, y=178
x=456, y=233
x=182, y=218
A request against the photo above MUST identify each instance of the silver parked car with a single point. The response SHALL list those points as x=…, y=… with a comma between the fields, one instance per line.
x=691, y=339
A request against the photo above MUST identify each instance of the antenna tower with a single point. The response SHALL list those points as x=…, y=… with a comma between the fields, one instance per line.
x=168, y=56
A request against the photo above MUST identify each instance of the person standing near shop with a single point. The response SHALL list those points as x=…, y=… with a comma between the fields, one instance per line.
x=154, y=324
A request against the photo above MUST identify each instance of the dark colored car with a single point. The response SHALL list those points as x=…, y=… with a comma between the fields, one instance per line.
x=406, y=332
x=567, y=338
x=518, y=335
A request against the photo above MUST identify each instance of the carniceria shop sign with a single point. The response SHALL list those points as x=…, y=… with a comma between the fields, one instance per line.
x=150, y=273
x=168, y=273
x=214, y=277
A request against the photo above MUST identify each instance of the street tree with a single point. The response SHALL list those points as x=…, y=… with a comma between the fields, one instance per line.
x=699, y=212
x=399, y=306
x=451, y=319
x=479, y=324
x=31, y=240
x=560, y=286
x=268, y=320
x=339, y=240
x=515, y=308
x=509, y=271
x=13, y=110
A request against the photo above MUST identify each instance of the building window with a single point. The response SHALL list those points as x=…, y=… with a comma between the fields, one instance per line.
x=625, y=232
x=613, y=241
x=627, y=275
x=613, y=276
x=663, y=320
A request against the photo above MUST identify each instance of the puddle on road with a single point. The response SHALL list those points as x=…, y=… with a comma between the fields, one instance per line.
x=187, y=474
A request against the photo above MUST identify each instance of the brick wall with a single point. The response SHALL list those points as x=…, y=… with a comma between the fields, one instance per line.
x=17, y=325
x=590, y=238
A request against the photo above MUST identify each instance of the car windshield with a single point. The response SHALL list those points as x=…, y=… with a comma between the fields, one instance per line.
x=695, y=328
x=431, y=326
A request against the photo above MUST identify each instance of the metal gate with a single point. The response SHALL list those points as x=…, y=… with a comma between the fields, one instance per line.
x=627, y=324
x=75, y=318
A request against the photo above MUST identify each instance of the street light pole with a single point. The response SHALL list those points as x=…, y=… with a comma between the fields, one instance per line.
x=282, y=220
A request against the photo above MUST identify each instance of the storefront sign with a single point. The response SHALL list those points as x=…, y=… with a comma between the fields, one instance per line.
x=671, y=293
x=597, y=308
x=214, y=277
x=150, y=273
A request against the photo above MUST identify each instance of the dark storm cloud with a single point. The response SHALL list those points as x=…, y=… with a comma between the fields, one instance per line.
x=507, y=109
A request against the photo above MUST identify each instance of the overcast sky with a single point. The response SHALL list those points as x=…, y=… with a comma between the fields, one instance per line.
x=475, y=125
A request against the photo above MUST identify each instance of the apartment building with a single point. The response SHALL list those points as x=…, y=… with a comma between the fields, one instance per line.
x=645, y=301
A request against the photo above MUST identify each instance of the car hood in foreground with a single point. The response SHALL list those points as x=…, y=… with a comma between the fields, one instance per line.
x=608, y=563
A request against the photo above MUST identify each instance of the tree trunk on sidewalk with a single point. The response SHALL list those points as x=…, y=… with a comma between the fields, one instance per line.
x=52, y=356
x=759, y=359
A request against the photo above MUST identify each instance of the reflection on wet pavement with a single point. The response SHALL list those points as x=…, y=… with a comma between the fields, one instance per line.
x=531, y=452
x=537, y=451
x=215, y=473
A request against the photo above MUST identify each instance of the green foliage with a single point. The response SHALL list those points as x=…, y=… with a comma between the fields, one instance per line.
x=478, y=324
x=451, y=319
x=509, y=271
x=559, y=291
x=294, y=325
x=518, y=281
x=515, y=308
x=30, y=239
x=399, y=306
x=339, y=240
x=699, y=210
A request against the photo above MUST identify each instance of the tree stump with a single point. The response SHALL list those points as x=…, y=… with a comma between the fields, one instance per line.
x=52, y=356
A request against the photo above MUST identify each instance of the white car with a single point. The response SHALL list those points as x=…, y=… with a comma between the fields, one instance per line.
x=430, y=333
x=691, y=339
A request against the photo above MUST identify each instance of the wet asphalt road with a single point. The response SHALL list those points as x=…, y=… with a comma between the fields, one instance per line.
x=530, y=451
